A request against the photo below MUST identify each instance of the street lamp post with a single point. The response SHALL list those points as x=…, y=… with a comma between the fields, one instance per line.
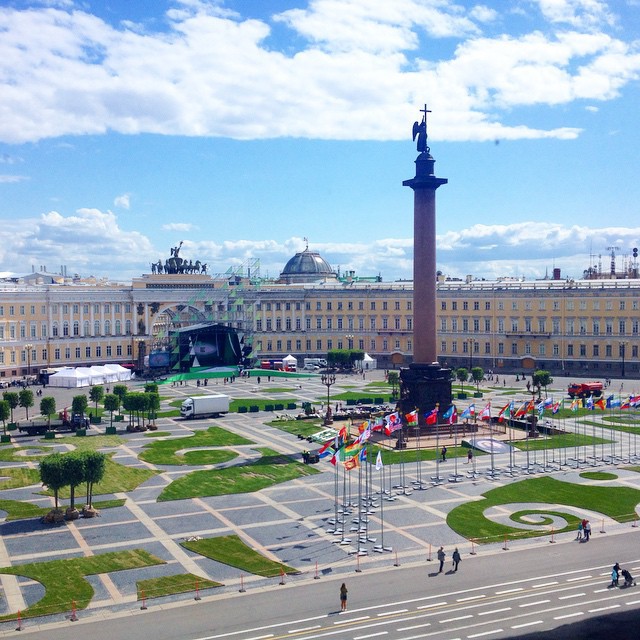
x=328, y=379
x=623, y=346
x=470, y=354
x=28, y=347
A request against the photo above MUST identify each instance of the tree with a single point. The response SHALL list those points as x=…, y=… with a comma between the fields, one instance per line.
x=393, y=378
x=96, y=394
x=5, y=412
x=462, y=375
x=74, y=472
x=154, y=405
x=151, y=387
x=26, y=400
x=79, y=404
x=477, y=374
x=13, y=399
x=52, y=474
x=121, y=391
x=48, y=408
x=94, y=468
x=540, y=379
x=111, y=404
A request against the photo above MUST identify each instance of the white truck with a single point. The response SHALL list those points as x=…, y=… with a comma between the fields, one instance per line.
x=214, y=405
x=311, y=364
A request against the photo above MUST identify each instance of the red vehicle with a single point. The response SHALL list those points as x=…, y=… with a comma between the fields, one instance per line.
x=585, y=389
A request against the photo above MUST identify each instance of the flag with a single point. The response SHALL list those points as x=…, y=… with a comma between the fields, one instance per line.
x=329, y=451
x=432, y=416
x=540, y=408
x=379, y=464
x=600, y=403
x=485, y=414
x=555, y=407
x=590, y=403
x=625, y=405
x=378, y=423
x=469, y=412
x=575, y=403
x=351, y=463
x=548, y=402
x=362, y=456
x=634, y=401
x=450, y=416
x=326, y=446
x=362, y=426
x=613, y=402
x=505, y=412
x=393, y=423
x=522, y=410
x=412, y=418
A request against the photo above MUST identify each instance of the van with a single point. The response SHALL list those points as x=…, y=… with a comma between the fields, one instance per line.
x=317, y=362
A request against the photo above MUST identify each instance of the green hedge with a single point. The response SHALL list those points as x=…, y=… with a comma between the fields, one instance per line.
x=254, y=408
x=268, y=407
x=242, y=409
x=291, y=405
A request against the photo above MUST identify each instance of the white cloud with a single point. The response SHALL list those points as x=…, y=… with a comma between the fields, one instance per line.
x=123, y=201
x=350, y=70
x=91, y=242
x=11, y=179
x=178, y=226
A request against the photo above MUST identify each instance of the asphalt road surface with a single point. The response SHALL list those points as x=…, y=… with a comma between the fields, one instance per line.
x=550, y=590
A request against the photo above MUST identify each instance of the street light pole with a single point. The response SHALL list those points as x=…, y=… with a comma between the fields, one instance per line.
x=622, y=350
x=470, y=354
x=328, y=379
x=28, y=347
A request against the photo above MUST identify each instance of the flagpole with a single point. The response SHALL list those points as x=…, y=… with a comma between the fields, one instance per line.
x=456, y=477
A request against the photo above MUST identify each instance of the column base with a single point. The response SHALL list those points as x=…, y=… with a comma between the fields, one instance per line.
x=422, y=386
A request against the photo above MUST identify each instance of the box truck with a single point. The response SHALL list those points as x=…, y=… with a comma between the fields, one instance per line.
x=314, y=363
x=204, y=406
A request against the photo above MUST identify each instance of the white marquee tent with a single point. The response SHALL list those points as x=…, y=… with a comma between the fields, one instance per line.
x=367, y=363
x=70, y=377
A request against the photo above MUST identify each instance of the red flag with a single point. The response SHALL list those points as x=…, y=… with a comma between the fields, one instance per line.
x=412, y=418
x=432, y=416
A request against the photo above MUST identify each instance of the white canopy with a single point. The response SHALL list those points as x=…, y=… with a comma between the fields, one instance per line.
x=367, y=362
x=290, y=360
x=71, y=377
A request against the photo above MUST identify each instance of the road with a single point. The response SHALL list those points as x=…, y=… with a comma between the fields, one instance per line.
x=503, y=594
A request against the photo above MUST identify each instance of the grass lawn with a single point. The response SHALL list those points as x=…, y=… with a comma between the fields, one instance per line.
x=64, y=581
x=272, y=468
x=561, y=441
x=17, y=510
x=10, y=454
x=18, y=477
x=91, y=441
x=469, y=521
x=598, y=475
x=164, y=451
x=118, y=478
x=169, y=585
x=304, y=428
x=230, y=550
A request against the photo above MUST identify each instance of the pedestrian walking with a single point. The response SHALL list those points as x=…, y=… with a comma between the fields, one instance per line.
x=469, y=456
x=343, y=597
x=579, y=536
x=587, y=531
x=456, y=559
x=443, y=453
x=441, y=557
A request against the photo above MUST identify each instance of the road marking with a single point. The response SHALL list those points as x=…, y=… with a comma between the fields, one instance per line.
x=526, y=624
x=421, y=635
x=613, y=606
x=499, y=593
x=601, y=590
x=573, y=595
x=488, y=613
x=352, y=620
x=429, y=606
x=415, y=626
x=303, y=629
x=484, y=633
x=478, y=597
x=580, y=578
x=543, y=584
x=371, y=635
x=392, y=613
x=632, y=602
x=455, y=619
x=569, y=615
x=533, y=604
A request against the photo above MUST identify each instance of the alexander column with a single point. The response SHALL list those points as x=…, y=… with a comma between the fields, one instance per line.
x=424, y=383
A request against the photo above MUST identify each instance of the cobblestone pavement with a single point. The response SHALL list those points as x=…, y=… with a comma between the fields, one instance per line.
x=402, y=522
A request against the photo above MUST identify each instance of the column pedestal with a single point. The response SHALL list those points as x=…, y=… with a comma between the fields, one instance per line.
x=422, y=386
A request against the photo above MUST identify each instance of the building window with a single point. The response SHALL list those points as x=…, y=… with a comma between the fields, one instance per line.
x=373, y=305
x=622, y=327
x=372, y=324
x=119, y=350
x=487, y=348
x=487, y=325
x=443, y=346
x=318, y=345
x=56, y=354
x=87, y=352
x=476, y=305
x=76, y=328
x=78, y=353
x=384, y=306
x=98, y=351
x=596, y=350
x=583, y=350
x=454, y=347
x=608, y=352
x=329, y=345
x=329, y=324
x=67, y=353
x=409, y=324
x=542, y=349
x=269, y=324
x=465, y=306
x=329, y=306
x=569, y=349
x=556, y=350
x=514, y=348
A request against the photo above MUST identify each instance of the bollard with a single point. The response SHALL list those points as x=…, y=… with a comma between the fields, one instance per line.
x=19, y=627
x=429, y=555
x=73, y=617
x=281, y=575
x=197, y=597
x=358, y=569
x=473, y=548
x=396, y=563
x=552, y=541
x=506, y=544
x=144, y=600
x=242, y=589
x=635, y=521
x=602, y=530
x=317, y=576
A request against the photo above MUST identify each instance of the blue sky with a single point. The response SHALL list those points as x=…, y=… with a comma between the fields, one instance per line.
x=241, y=127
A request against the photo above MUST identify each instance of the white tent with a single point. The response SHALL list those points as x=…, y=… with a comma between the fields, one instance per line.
x=290, y=360
x=69, y=377
x=86, y=376
x=367, y=363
